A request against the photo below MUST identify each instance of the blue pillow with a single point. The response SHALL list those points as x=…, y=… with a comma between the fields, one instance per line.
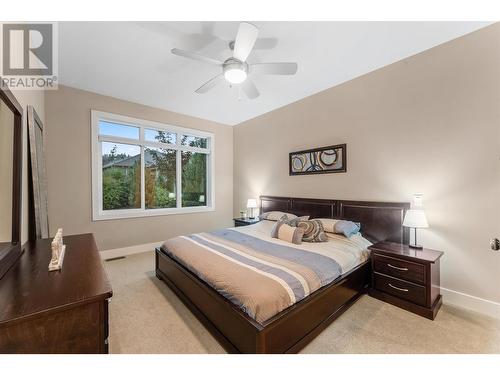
x=347, y=228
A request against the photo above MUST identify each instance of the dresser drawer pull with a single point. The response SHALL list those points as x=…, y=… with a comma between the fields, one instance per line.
x=397, y=268
x=400, y=289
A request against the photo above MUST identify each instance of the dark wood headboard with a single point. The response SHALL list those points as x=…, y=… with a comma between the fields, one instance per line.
x=380, y=221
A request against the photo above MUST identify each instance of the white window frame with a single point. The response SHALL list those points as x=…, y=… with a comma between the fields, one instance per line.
x=97, y=211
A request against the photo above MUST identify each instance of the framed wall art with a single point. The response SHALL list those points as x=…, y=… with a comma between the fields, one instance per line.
x=330, y=159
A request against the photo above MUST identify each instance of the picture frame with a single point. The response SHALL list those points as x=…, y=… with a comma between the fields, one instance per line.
x=321, y=160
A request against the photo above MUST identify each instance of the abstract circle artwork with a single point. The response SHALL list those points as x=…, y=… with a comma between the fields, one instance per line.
x=329, y=159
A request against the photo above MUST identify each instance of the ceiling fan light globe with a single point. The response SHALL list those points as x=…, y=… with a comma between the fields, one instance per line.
x=235, y=76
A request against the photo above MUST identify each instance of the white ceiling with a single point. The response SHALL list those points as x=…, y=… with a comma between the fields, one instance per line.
x=132, y=60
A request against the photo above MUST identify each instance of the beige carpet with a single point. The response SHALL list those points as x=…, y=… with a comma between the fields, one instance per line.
x=146, y=317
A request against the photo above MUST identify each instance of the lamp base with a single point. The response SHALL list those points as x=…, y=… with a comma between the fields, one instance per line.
x=251, y=216
x=415, y=246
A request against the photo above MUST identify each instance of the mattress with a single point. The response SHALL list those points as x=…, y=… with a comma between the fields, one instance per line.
x=263, y=275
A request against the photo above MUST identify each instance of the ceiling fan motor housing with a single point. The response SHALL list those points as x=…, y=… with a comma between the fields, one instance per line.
x=233, y=63
x=232, y=66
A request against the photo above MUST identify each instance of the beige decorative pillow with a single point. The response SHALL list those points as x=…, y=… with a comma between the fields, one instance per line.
x=290, y=234
x=285, y=232
x=329, y=224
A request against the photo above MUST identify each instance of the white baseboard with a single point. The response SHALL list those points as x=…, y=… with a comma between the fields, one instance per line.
x=466, y=301
x=124, y=251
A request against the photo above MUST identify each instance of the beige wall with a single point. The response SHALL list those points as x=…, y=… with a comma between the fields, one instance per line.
x=69, y=172
x=428, y=124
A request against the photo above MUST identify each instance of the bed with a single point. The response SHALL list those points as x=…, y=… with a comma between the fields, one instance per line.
x=283, y=303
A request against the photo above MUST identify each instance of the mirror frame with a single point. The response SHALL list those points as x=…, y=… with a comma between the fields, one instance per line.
x=38, y=193
x=10, y=251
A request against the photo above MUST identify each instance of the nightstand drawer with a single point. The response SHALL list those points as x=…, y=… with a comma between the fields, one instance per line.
x=399, y=268
x=399, y=288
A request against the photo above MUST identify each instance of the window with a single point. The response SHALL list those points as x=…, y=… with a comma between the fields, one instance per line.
x=143, y=168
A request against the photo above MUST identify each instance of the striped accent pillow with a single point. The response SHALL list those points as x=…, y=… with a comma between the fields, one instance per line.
x=285, y=232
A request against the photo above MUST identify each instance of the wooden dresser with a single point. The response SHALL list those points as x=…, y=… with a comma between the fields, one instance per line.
x=56, y=312
x=406, y=277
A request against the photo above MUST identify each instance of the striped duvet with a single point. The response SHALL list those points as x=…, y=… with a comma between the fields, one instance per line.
x=261, y=275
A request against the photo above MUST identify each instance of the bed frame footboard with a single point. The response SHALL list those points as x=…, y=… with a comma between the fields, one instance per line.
x=287, y=332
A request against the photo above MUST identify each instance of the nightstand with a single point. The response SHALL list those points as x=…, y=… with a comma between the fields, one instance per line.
x=240, y=222
x=406, y=277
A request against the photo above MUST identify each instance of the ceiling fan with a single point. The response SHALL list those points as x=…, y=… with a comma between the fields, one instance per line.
x=235, y=69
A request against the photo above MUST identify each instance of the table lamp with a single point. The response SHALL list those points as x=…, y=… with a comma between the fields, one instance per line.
x=251, y=203
x=415, y=218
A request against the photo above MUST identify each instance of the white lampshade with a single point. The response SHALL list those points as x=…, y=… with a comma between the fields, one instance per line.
x=415, y=219
x=252, y=203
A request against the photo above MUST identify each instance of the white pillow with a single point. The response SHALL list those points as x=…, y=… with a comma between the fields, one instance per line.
x=329, y=224
x=276, y=215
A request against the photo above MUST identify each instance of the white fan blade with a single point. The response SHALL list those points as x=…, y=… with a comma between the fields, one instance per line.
x=245, y=39
x=275, y=68
x=207, y=86
x=195, y=56
x=249, y=89
x=265, y=43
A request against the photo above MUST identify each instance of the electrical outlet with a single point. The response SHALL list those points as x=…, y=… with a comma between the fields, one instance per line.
x=495, y=244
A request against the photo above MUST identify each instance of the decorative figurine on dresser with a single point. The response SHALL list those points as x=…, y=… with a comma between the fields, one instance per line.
x=58, y=249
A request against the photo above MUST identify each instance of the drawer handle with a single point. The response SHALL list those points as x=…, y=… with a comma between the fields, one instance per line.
x=400, y=289
x=397, y=268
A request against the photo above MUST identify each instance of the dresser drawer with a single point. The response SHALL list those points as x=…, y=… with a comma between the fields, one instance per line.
x=399, y=288
x=399, y=268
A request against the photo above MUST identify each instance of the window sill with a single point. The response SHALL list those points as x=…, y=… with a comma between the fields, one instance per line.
x=136, y=213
